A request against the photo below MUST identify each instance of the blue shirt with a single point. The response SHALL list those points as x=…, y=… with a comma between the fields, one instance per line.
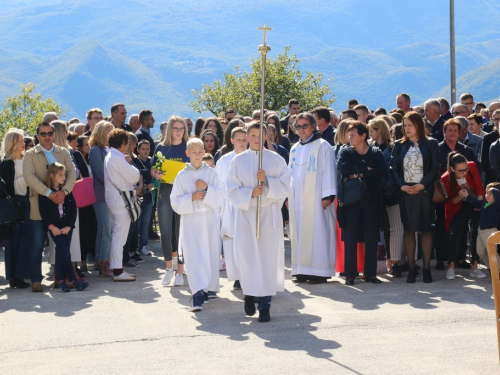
x=51, y=159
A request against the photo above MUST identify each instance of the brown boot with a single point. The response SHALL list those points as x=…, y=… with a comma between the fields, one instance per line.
x=36, y=287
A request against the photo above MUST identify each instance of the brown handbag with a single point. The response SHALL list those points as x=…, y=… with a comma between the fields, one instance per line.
x=440, y=194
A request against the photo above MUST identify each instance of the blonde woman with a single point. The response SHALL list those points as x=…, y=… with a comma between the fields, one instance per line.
x=17, y=254
x=173, y=147
x=98, y=143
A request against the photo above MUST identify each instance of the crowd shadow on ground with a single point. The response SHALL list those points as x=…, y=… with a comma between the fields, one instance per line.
x=52, y=301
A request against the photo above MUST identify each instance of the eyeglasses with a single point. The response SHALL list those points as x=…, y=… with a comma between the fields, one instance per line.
x=467, y=103
x=457, y=112
x=463, y=170
x=49, y=134
x=178, y=130
x=298, y=127
x=96, y=118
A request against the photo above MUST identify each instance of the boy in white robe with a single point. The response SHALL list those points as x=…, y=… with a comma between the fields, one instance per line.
x=239, y=141
x=197, y=195
x=260, y=261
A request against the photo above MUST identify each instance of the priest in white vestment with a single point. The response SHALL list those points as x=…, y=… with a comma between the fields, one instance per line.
x=260, y=261
x=312, y=214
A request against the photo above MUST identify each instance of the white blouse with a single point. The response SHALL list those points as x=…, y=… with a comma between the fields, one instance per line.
x=414, y=165
x=20, y=186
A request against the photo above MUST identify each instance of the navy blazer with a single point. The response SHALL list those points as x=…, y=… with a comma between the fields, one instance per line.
x=50, y=212
x=430, y=155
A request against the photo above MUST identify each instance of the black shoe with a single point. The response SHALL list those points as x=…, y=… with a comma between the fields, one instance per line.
x=237, y=285
x=427, y=275
x=264, y=315
x=137, y=258
x=440, y=266
x=153, y=236
x=317, y=280
x=373, y=280
x=18, y=283
x=349, y=281
x=79, y=273
x=464, y=265
x=396, y=270
x=249, y=306
x=411, y=276
x=300, y=279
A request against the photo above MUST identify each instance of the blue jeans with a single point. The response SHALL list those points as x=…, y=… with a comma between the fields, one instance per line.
x=144, y=221
x=63, y=268
x=38, y=233
x=103, y=241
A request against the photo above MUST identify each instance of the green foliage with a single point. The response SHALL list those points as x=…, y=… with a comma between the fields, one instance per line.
x=26, y=110
x=284, y=81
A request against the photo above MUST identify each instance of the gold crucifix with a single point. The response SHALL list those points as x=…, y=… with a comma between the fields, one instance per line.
x=265, y=28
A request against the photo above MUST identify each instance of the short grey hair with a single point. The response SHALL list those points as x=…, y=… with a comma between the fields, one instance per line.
x=464, y=124
x=456, y=105
x=433, y=102
x=49, y=117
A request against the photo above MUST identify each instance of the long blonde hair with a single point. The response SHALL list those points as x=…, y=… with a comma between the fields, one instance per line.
x=167, y=140
x=99, y=136
x=10, y=142
x=60, y=133
x=385, y=132
x=342, y=130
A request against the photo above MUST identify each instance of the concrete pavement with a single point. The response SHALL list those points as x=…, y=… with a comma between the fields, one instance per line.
x=446, y=327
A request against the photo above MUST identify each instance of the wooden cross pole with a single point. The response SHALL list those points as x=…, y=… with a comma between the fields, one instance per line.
x=493, y=241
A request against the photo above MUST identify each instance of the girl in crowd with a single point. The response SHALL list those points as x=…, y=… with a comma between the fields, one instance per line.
x=17, y=266
x=228, y=146
x=210, y=141
x=414, y=163
x=173, y=147
x=215, y=126
x=198, y=126
x=60, y=221
x=98, y=143
x=461, y=175
x=282, y=140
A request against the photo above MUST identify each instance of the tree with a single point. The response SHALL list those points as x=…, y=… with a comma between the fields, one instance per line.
x=26, y=110
x=284, y=81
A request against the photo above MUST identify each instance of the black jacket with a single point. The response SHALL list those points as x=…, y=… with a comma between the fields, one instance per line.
x=50, y=212
x=430, y=156
x=466, y=151
x=437, y=129
x=488, y=140
x=329, y=134
x=7, y=173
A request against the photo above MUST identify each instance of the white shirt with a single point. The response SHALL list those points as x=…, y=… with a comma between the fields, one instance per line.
x=20, y=186
x=123, y=175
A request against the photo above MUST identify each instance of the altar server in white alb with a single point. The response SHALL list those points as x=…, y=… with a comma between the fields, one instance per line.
x=196, y=196
x=239, y=141
x=260, y=261
x=312, y=214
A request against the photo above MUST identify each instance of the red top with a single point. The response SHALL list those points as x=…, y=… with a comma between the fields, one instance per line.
x=474, y=181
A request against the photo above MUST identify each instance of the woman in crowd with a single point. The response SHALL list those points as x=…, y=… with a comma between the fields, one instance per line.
x=86, y=215
x=98, y=143
x=173, y=147
x=282, y=140
x=414, y=163
x=120, y=175
x=198, y=126
x=29, y=143
x=211, y=142
x=360, y=221
x=293, y=137
x=17, y=266
x=215, y=126
x=228, y=146
x=72, y=139
x=461, y=175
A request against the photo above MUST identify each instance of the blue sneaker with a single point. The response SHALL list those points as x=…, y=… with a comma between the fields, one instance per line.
x=205, y=297
x=197, y=301
x=237, y=285
x=212, y=295
x=81, y=285
x=63, y=287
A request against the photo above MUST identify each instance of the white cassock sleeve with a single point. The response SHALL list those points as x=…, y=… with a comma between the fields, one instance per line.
x=278, y=187
x=181, y=199
x=216, y=192
x=239, y=195
x=329, y=171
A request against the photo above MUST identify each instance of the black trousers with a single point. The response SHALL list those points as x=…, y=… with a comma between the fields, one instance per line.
x=457, y=237
x=440, y=235
x=361, y=221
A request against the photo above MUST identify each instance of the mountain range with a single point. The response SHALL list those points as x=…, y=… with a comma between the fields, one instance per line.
x=152, y=53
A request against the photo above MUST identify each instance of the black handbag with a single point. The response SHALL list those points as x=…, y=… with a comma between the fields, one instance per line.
x=10, y=210
x=352, y=190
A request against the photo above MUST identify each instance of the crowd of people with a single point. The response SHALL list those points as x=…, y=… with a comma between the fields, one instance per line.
x=347, y=189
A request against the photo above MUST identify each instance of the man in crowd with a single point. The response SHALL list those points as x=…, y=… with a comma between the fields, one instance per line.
x=432, y=110
x=460, y=110
x=134, y=122
x=36, y=162
x=118, y=117
x=488, y=140
x=48, y=117
x=229, y=114
x=147, y=122
x=362, y=111
x=467, y=138
x=403, y=102
x=468, y=100
x=94, y=115
x=445, y=109
x=352, y=103
x=312, y=215
x=293, y=109
x=490, y=125
x=349, y=113
x=322, y=117
x=334, y=119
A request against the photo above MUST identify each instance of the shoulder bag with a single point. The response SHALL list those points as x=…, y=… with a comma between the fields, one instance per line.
x=132, y=202
x=352, y=190
x=10, y=210
x=84, y=193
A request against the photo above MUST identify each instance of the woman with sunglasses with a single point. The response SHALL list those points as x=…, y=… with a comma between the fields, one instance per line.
x=461, y=175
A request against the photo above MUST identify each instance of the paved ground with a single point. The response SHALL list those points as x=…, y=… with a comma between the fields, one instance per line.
x=446, y=327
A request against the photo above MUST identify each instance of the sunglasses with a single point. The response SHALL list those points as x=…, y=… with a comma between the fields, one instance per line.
x=49, y=134
x=298, y=127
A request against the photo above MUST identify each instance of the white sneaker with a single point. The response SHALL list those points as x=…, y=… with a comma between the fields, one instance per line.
x=175, y=261
x=144, y=251
x=287, y=230
x=124, y=276
x=222, y=264
x=450, y=274
x=477, y=273
x=168, y=277
x=179, y=280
